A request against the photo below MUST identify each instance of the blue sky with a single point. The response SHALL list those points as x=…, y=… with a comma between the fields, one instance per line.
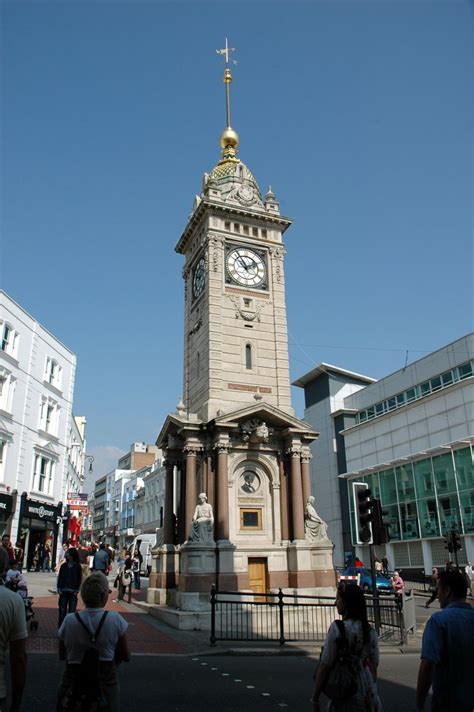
x=358, y=114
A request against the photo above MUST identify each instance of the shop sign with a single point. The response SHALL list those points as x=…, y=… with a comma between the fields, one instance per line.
x=40, y=510
x=6, y=504
x=78, y=503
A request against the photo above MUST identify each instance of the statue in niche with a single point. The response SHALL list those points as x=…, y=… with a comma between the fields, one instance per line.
x=201, y=528
x=315, y=527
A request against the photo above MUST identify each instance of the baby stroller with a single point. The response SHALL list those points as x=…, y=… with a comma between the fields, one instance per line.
x=16, y=582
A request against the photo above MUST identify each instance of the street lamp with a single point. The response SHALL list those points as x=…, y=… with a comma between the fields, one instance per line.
x=91, y=460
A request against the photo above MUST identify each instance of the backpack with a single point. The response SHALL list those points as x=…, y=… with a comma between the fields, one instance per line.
x=84, y=692
x=342, y=680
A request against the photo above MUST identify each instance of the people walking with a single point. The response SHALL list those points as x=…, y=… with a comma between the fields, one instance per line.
x=101, y=560
x=12, y=637
x=137, y=561
x=446, y=649
x=69, y=583
x=378, y=566
x=433, y=587
x=385, y=565
x=75, y=640
x=362, y=642
x=469, y=571
x=358, y=563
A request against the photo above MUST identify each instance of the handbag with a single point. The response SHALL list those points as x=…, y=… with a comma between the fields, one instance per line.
x=342, y=679
x=127, y=578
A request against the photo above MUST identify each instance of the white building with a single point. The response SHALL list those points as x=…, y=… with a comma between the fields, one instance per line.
x=410, y=437
x=150, y=500
x=36, y=429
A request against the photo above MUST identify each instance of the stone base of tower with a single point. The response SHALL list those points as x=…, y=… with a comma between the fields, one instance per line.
x=164, y=575
x=310, y=566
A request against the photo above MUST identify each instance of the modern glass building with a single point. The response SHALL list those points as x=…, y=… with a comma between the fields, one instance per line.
x=410, y=437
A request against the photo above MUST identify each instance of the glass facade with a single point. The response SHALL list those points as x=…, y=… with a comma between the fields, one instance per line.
x=425, y=498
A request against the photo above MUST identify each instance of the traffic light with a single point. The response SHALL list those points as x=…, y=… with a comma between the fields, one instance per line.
x=363, y=506
x=456, y=541
x=380, y=530
x=448, y=544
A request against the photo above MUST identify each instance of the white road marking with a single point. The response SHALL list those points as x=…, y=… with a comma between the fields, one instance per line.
x=204, y=664
x=237, y=680
x=265, y=694
x=214, y=668
x=250, y=687
x=225, y=674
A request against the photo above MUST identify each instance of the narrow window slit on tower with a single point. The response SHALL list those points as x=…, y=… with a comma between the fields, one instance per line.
x=248, y=356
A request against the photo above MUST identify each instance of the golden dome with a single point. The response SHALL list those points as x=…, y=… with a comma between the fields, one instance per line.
x=230, y=138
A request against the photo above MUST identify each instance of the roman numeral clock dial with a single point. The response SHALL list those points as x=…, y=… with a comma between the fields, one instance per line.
x=245, y=267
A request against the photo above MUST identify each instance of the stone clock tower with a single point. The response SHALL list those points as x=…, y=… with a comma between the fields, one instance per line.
x=234, y=435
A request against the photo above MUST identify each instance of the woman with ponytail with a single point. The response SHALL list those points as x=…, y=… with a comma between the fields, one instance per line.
x=362, y=641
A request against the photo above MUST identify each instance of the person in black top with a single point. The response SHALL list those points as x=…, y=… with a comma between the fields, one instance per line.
x=125, y=578
x=69, y=583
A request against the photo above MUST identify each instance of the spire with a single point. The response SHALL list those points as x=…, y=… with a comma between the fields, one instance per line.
x=229, y=138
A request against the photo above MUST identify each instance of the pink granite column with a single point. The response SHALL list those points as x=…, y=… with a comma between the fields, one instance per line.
x=168, y=521
x=191, y=487
x=296, y=494
x=222, y=493
x=306, y=475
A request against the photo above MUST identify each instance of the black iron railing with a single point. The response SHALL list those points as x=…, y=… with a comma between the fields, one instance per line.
x=286, y=617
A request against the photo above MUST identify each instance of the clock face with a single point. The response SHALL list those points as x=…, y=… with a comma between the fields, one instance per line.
x=199, y=278
x=245, y=267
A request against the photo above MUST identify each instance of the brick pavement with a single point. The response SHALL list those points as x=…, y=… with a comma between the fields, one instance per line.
x=143, y=635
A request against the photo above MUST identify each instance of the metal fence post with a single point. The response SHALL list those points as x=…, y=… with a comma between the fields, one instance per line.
x=280, y=611
x=213, y=615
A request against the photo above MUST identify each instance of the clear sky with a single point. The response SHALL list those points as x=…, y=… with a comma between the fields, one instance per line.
x=358, y=114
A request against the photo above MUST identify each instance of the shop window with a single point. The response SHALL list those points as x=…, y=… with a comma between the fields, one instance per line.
x=464, y=469
x=409, y=520
x=449, y=513
x=444, y=474
x=250, y=518
x=467, y=511
x=428, y=517
x=405, y=482
x=424, y=479
x=374, y=484
x=387, y=487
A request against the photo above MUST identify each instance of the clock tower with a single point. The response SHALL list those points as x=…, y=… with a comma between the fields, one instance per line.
x=234, y=436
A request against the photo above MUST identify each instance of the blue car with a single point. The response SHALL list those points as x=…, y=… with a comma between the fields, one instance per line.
x=383, y=583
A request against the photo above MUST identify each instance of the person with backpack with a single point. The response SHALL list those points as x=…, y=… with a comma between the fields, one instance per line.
x=92, y=642
x=69, y=583
x=348, y=665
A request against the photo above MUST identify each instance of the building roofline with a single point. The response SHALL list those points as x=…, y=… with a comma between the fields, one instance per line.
x=50, y=333
x=329, y=368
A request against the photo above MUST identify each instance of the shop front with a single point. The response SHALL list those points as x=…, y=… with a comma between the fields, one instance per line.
x=6, y=510
x=38, y=533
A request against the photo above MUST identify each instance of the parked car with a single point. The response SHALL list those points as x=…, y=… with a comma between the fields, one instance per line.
x=383, y=583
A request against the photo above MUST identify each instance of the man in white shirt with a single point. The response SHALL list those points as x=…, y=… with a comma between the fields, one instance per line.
x=12, y=635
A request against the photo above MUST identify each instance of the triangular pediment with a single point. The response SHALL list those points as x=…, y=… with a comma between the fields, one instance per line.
x=269, y=414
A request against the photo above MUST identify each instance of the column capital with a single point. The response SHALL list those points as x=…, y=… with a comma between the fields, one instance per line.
x=293, y=451
x=306, y=456
x=221, y=446
x=191, y=450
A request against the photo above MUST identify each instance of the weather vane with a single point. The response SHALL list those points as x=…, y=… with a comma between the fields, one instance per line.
x=226, y=53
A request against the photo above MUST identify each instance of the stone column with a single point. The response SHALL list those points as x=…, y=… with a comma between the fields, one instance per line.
x=191, y=486
x=211, y=488
x=182, y=503
x=285, y=526
x=306, y=474
x=296, y=494
x=168, y=520
x=222, y=528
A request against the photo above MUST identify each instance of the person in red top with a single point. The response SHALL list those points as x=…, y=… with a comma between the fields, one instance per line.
x=358, y=563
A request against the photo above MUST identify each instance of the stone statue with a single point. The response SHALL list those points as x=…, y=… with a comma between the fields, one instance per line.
x=315, y=528
x=202, y=525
